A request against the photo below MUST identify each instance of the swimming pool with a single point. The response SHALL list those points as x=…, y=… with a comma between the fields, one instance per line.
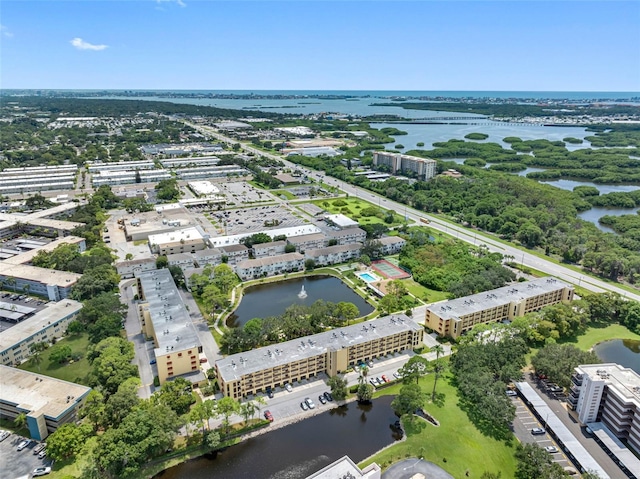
x=368, y=277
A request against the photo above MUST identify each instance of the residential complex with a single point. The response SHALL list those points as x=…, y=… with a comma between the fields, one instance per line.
x=457, y=316
x=48, y=283
x=608, y=393
x=422, y=168
x=164, y=317
x=39, y=178
x=179, y=241
x=330, y=353
x=134, y=267
x=269, y=266
x=48, y=403
x=42, y=327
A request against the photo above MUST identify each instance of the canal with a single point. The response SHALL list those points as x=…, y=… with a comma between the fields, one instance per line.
x=298, y=450
x=272, y=299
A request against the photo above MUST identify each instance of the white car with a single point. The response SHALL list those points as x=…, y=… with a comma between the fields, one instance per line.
x=4, y=435
x=511, y=393
x=41, y=471
x=23, y=444
x=288, y=387
x=310, y=403
x=551, y=449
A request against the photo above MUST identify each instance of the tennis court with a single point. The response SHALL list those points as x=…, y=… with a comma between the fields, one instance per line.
x=389, y=270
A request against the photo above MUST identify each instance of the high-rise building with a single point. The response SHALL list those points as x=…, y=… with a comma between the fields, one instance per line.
x=423, y=168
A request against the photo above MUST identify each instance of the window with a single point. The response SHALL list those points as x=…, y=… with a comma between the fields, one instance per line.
x=179, y=355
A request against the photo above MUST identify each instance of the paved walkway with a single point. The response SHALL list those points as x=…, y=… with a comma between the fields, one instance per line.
x=409, y=467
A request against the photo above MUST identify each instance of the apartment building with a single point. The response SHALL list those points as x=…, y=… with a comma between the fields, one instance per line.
x=345, y=468
x=391, y=245
x=48, y=403
x=422, y=168
x=308, y=241
x=457, y=316
x=42, y=327
x=334, y=254
x=268, y=249
x=269, y=266
x=134, y=267
x=164, y=317
x=235, y=253
x=181, y=260
x=608, y=393
x=347, y=236
x=49, y=283
x=208, y=256
x=97, y=166
x=178, y=241
x=329, y=352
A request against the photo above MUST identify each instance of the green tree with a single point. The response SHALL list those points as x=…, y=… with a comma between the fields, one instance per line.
x=226, y=407
x=338, y=385
x=557, y=362
x=175, y=394
x=162, y=262
x=94, y=409
x=67, y=441
x=20, y=420
x=364, y=392
x=122, y=402
x=535, y=463
x=414, y=369
x=409, y=399
x=60, y=354
x=437, y=368
x=111, y=364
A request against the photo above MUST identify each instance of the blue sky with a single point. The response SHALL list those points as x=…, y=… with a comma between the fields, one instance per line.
x=307, y=45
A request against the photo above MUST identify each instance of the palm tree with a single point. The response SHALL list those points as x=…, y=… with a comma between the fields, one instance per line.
x=12, y=282
x=20, y=420
x=36, y=359
x=438, y=349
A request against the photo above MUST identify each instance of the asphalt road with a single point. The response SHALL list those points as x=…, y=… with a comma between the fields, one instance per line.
x=465, y=234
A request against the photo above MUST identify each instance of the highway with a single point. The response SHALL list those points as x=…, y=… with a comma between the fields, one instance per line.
x=460, y=232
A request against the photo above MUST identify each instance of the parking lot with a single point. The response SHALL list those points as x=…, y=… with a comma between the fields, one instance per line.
x=249, y=220
x=525, y=422
x=16, y=464
x=238, y=193
x=10, y=300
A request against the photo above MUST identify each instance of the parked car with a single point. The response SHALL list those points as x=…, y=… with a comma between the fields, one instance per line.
x=4, y=435
x=268, y=416
x=42, y=454
x=269, y=392
x=511, y=393
x=373, y=382
x=24, y=444
x=39, y=447
x=397, y=375
x=153, y=361
x=288, y=387
x=310, y=403
x=538, y=431
x=385, y=379
x=378, y=380
x=304, y=406
x=551, y=449
x=370, y=363
x=328, y=396
x=41, y=471
x=322, y=399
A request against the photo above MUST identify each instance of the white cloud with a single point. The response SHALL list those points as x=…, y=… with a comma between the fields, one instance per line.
x=80, y=44
x=177, y=2
x=5, y=32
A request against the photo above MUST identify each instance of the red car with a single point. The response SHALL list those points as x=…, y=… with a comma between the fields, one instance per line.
x=268, y=416
x=385, y=379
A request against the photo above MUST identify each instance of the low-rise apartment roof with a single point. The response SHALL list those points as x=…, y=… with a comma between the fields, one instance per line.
x=338, y=248
x=40, y=275
x=38, y=393
x=269, y=260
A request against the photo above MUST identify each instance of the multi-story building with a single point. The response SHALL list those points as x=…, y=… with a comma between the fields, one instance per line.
x=269, y=266
x=188, y=240
x=49, y=283
x=97, y=166
x=330, y=353
x=345, y=468
x=235, y=253
x=268, y=249
x=181, y=260
x=48, y=403
x=457, y=316
x=208, y=256
x=35, y=247
x=608, y=393
x=132, y=268
x=203, y=172
x=334, y=254
x=309, y=241
x=346, y=236
x=165, y=318
x=423, y=168
x=391, y=245
x=42, y=327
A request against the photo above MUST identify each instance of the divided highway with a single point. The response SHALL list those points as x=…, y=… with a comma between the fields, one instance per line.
x=465, y=234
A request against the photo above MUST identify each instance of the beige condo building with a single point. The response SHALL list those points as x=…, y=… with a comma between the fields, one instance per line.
x=458, y=316
x=330, y=352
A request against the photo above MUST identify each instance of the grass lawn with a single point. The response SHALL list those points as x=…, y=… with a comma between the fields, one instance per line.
x=353, y=208
x=456, y=445
x=597, y=334
x=74, y=372
x=424, y=293
x=287, y=194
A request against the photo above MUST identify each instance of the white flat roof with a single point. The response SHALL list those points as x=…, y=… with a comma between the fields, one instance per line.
x=290, y=231
x=38, y=393
x=176, y=236
x=203, y=187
